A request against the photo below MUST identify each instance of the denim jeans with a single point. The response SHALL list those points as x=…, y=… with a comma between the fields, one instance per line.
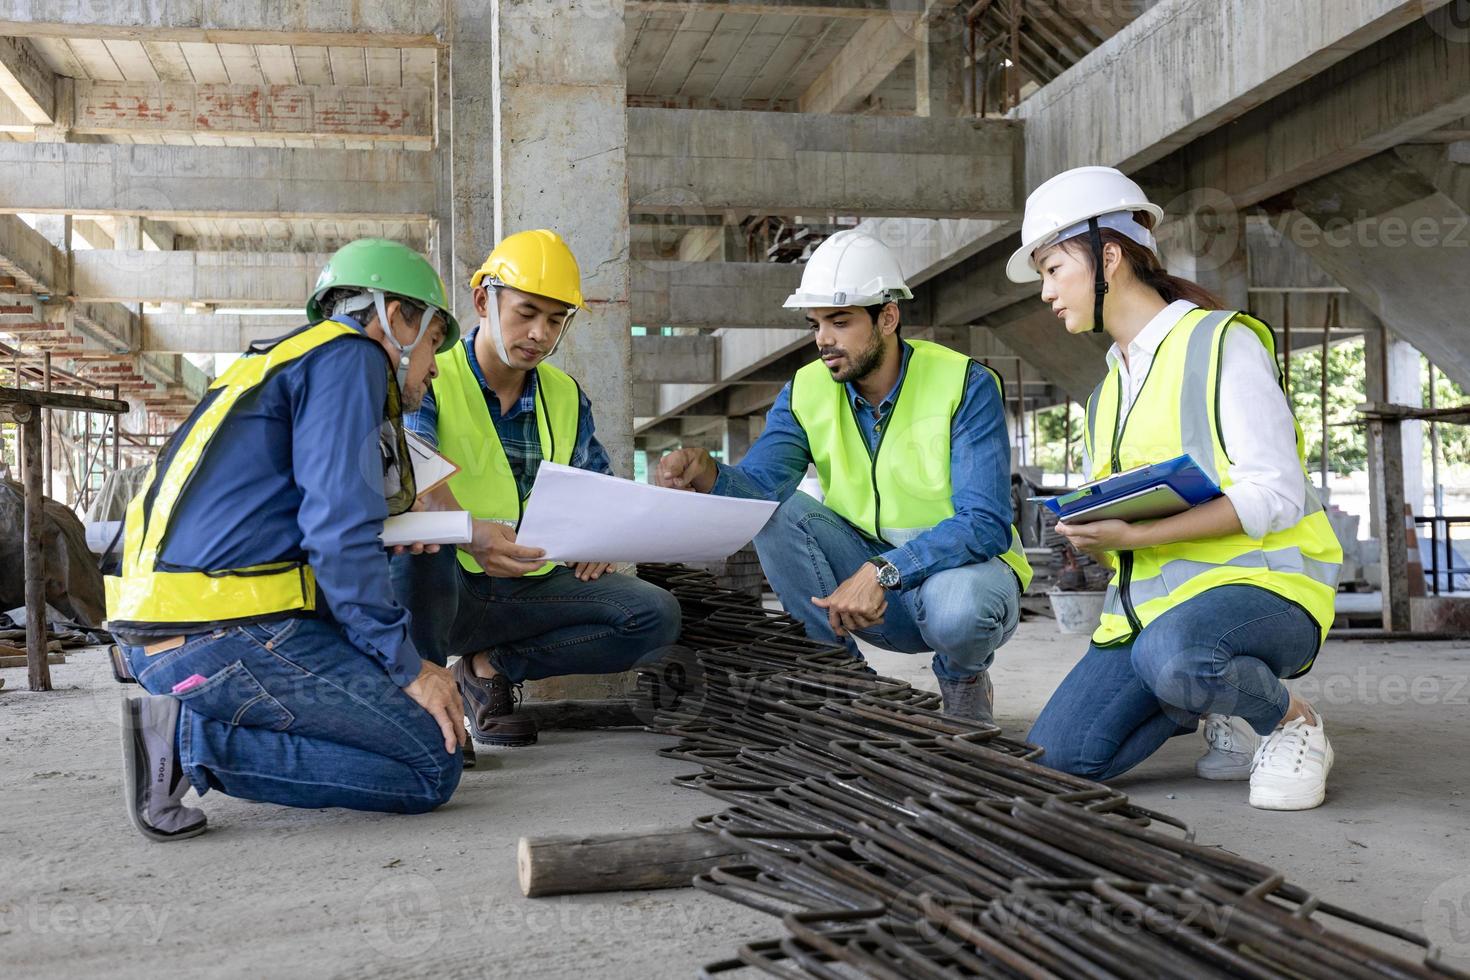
x=1221, y=652
x=292, y=713
x=538, y=625
x=962, y=614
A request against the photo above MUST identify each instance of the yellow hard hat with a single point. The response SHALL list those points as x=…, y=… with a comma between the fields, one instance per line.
x=536, y=262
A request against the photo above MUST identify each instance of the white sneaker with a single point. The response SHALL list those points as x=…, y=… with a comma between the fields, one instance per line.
x=1232, y=744
x=1290, y=769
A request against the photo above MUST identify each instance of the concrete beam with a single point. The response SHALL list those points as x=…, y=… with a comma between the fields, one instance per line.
x=299, y=111
x=28, y=258
x=878, y=47
x=364, y=23
x=210, y=333
x=1073, y=364
x=758, y=8
x=1271, y=47
x=1412, y=82
x=702, y=161
x=1388, y=234
x=269, y=279
x=713, y=294
x=27, y=81
x=691, y=360
x=176, y=181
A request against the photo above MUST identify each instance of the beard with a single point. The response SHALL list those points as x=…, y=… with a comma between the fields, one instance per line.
x=864, y=363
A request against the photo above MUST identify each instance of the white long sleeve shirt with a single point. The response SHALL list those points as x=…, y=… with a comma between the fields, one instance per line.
x=1269, y=487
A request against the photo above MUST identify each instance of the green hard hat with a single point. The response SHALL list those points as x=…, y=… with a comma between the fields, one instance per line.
x=376, y=263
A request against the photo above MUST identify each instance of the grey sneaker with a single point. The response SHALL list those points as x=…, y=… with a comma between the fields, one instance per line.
x=972, y=699
x=1231, y=743
x=154, y=784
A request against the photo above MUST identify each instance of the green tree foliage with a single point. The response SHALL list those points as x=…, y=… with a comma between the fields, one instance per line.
x=1347, y=444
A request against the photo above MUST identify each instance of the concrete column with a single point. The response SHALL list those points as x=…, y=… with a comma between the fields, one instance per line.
x=128, y=234
x=939, y=67
x=740, y=432
x=539, y=140
x=539, y=93
x=1204, y=240
x=1393, y=376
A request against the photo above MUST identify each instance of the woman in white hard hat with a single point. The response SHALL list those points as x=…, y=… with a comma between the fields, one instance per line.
x=1210, y=608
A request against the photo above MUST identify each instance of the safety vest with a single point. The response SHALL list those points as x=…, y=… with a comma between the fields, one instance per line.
x=1176, y=412
x=143, y=597
x=902, y=487
x=485, y=484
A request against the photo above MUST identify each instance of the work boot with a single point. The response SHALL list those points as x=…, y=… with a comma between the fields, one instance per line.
x=1231, y=743
x=153, y=781
x=490, y=704
x=971, y=699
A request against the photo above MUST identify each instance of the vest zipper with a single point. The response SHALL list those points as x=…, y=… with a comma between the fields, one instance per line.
x=873, y=468
x=1125, y=558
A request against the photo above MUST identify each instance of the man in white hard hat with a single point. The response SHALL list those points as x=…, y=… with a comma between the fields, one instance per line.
x=911, y=548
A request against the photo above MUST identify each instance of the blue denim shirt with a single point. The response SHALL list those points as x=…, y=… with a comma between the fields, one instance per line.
x=517, y=428
x=295, y=474
x=980, y=474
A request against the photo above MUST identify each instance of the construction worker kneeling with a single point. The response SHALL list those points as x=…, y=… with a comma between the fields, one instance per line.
x=254, y=603
x=497, y=411
x=911, y=548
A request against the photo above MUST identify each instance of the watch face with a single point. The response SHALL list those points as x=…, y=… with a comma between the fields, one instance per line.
x=887, y=576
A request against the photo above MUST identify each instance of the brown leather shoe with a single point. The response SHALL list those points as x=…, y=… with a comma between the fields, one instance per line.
x=490, y=704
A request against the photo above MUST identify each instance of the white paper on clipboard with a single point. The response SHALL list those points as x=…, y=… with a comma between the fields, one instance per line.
x=429, y=468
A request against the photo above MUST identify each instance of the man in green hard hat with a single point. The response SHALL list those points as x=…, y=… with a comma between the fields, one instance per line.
x=254, y=604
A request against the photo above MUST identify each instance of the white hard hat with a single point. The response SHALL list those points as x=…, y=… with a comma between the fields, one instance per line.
x=1055, y=210
x=852, y=268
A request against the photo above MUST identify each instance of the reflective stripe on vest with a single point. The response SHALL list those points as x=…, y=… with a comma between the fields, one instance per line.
x=485, y=484
x=903, y=487
x=142, y=596
x=1175, y=413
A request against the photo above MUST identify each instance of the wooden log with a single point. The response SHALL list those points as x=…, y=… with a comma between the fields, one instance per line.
x=51, y=660
x=580, y=715
x=38, y=673
x=661, y=858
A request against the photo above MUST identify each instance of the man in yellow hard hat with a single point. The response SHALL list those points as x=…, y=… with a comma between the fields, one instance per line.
x=253, y=602
x=497, y=411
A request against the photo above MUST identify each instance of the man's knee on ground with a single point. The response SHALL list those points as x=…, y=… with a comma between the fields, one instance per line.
x=441, y=779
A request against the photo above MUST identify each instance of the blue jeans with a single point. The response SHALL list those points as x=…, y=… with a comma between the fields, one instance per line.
x=535, y=626
x=292, y=713
x=1221, y=652
x=962, y=614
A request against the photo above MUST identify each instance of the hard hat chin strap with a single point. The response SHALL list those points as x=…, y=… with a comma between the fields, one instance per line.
x=492, y=289
x=405, y=353
x=1099, y=276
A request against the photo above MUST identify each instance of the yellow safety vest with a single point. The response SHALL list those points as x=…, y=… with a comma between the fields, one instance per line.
x=1176, y=412
x=901, y=488
x=143, y=597
x=485, y=484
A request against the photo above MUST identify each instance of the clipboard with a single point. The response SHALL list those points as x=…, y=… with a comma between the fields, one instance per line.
x=1144, y=493
x=430, y=469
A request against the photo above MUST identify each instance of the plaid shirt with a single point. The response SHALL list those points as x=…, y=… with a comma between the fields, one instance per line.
x=516, y=428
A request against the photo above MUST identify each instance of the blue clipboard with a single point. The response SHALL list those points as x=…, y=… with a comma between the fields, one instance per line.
x=1140, y=494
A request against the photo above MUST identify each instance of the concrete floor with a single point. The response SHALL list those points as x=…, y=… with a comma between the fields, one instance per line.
x=330, y=893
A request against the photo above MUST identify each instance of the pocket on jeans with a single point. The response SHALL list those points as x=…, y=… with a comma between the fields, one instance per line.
x=234, y=696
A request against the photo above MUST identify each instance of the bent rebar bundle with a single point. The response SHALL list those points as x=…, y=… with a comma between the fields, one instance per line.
x=897, y=842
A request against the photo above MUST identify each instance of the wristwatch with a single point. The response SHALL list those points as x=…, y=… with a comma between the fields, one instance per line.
x=888, y=576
